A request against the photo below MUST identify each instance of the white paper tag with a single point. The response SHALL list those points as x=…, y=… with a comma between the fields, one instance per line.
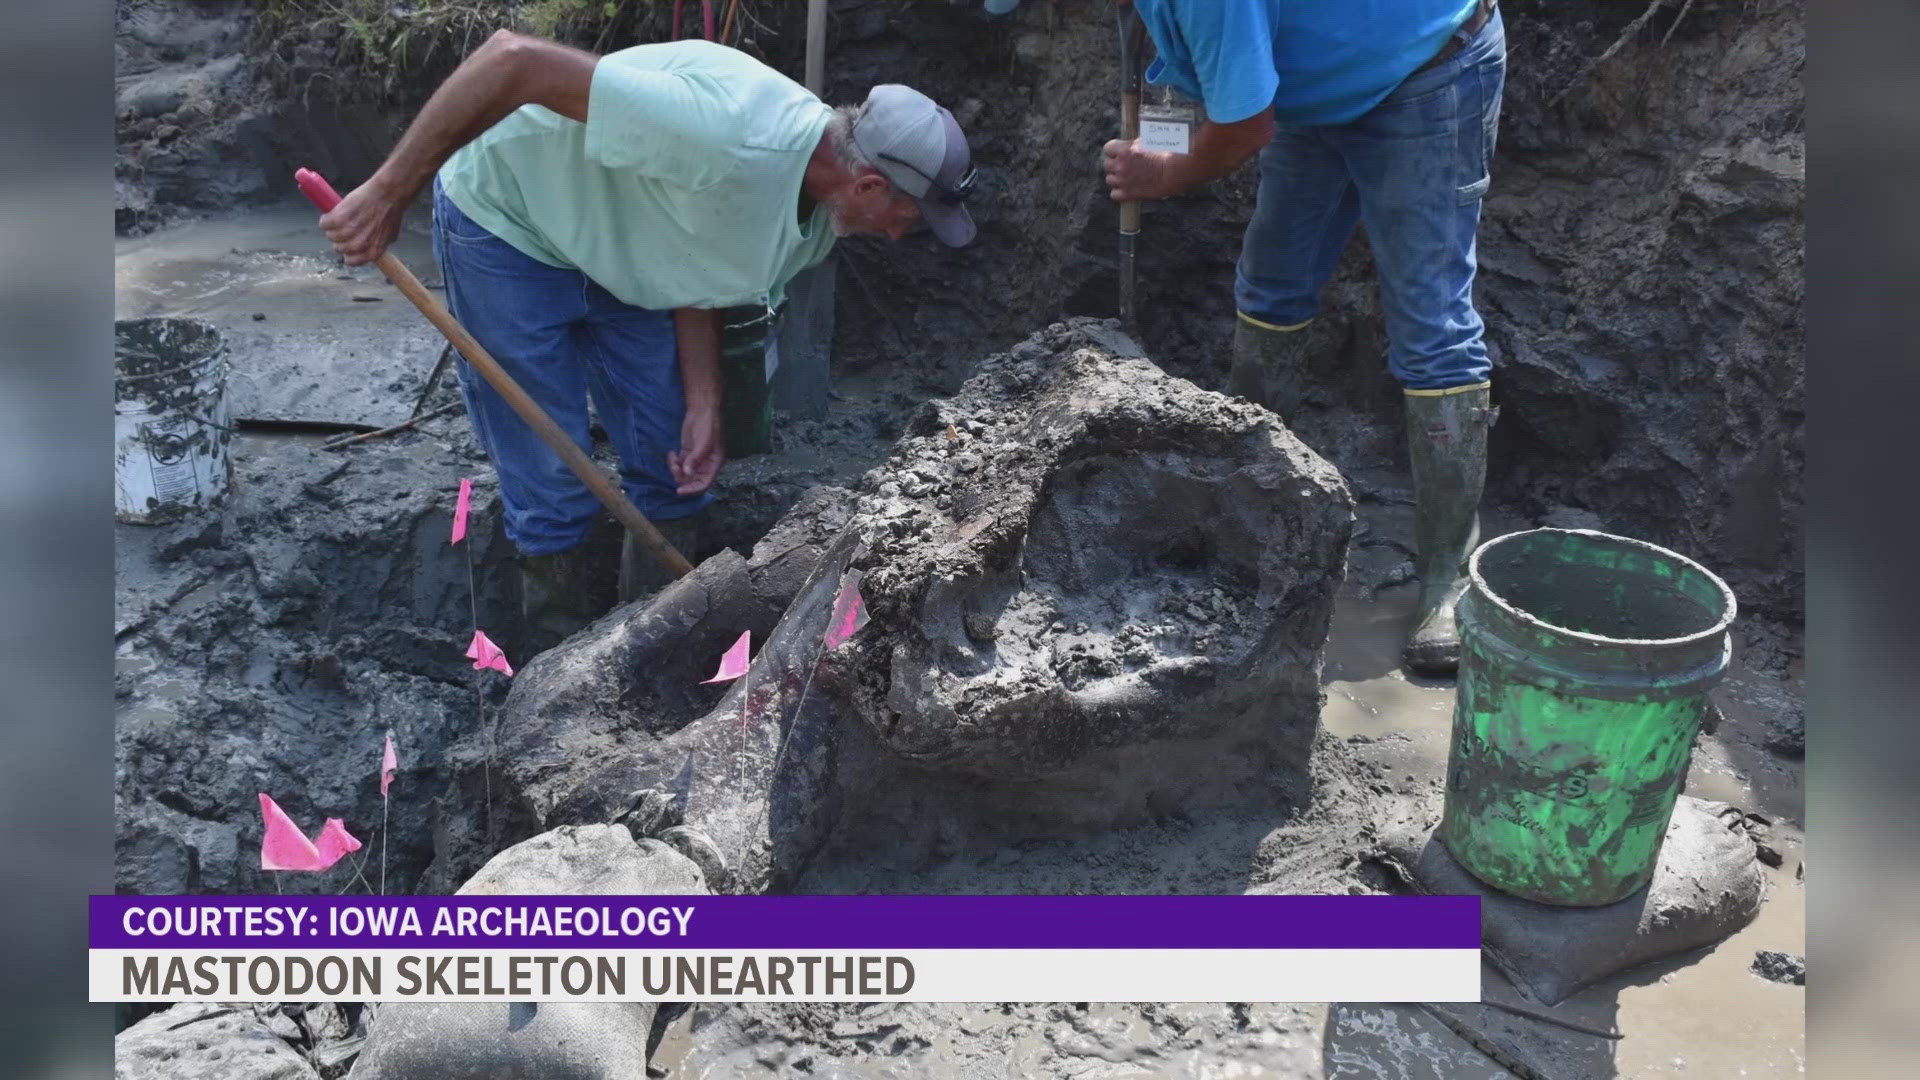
x=1165, y=135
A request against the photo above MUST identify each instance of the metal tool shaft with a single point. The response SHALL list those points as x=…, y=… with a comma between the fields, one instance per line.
x=1132, y=33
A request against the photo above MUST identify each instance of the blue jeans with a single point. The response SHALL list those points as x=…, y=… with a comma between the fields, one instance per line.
x=562, y=338
x=1415, y=169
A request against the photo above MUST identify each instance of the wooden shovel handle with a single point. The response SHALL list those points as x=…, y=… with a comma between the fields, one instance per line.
x=1131, y=33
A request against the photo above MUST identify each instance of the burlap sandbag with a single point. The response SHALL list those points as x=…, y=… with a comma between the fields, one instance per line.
x=536, y=1040
x=201, y=1041
x=1706, y=885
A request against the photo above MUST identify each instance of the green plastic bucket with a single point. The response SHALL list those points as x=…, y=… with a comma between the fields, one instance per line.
x=1584, y=669
x=746, y=408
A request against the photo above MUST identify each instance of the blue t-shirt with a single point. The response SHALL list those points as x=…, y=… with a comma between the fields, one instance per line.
x=1314, y=61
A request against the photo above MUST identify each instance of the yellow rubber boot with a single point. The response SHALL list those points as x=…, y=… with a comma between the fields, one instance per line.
x=1269, y=366
x=1447, y=438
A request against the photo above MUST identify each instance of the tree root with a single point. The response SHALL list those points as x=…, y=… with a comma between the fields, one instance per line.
x=1633, y=28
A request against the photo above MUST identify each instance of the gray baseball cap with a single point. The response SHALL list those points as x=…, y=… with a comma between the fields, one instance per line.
x=919, y=146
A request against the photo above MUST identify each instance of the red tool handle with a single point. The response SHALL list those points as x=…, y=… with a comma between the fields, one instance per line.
x=706, y=19
x=315, y=187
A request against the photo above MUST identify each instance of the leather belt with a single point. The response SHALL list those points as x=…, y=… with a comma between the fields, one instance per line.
x=1459, y=38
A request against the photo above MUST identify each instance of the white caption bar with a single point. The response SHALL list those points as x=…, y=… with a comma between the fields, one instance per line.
x=878, y=975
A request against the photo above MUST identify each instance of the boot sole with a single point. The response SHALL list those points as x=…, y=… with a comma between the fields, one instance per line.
x=1428, y=664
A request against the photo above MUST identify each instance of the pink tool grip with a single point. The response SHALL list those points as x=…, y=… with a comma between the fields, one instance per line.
x=315, y=187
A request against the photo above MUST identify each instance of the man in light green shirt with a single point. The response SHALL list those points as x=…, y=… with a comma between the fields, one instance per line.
x=591, y=217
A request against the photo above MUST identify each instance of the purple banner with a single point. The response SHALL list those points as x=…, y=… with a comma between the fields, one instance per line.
x=722, y=923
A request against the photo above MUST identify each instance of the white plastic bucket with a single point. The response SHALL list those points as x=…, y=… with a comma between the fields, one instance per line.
x=170, y=427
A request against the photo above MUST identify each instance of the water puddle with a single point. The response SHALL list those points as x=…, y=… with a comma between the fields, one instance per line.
x=1370, y=699
x=308, y=338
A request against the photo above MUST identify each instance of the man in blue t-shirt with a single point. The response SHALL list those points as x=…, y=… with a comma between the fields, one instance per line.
x=1381, y=111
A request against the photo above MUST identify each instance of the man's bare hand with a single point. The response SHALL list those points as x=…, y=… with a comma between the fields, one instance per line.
x=702, y=451
x=1134, y=174
x=364, y=224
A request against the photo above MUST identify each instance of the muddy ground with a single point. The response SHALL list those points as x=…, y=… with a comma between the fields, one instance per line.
x=1641, y=281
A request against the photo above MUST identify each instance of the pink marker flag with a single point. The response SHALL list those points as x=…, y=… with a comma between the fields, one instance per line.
x=285, y=847
x=460, y=511
x=485, y=654
x=849, y=612
x=388, y=763
x=334, y=843
x=734, y=664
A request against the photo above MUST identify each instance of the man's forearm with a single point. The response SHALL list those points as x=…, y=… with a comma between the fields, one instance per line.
x=698, y=330
x=1218, y=149
x=508, y=71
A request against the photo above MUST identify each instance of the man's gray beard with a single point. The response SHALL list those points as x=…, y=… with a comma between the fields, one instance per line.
x=838, y=223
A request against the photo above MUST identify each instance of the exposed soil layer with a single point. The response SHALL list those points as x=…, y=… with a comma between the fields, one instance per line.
x=197, y=126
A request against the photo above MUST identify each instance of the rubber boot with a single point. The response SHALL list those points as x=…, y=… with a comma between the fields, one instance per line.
x=640, y=573
x=1447, y=437
x=560, y=593
x=1269, y=367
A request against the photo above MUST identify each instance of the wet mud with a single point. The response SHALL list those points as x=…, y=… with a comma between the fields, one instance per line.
x=307, y=338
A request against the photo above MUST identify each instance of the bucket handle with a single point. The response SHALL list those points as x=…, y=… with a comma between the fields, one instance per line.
x=208, y=421
x=145, y=376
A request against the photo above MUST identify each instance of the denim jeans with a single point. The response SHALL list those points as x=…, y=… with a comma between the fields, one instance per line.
x=1415, y=169
x=562, y=338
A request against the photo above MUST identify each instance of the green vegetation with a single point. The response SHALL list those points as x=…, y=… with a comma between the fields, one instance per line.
x=393, y=51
